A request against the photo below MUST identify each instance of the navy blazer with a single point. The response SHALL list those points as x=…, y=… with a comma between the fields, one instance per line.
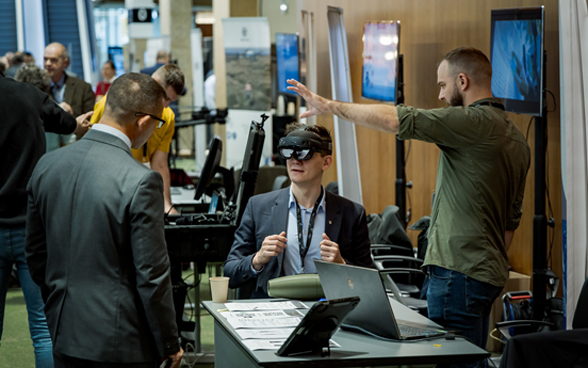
x=267, y=214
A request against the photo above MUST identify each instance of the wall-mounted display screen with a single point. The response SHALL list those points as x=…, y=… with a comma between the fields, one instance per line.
x=517, y=58
x=288, y=65
x=380, y=60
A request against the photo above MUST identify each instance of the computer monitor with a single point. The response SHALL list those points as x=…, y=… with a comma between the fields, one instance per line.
x=211, y=166
x=379, y=78
x=288, y=63
x=516, y=52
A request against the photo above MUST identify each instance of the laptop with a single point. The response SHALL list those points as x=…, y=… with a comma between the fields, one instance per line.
x=374, y=314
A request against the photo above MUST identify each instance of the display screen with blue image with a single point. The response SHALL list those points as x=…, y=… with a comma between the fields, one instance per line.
x=380, y=60
x=517, y=59
x=288, y=66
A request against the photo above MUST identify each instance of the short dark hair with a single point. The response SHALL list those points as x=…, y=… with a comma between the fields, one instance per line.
x=323, y=133
x=32, y=74
x=111, y=63
x=171, y=75
x=131, y=93
x=18, y=58
x=470, y=61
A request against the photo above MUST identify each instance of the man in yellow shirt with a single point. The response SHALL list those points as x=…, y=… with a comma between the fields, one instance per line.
x=154, y=153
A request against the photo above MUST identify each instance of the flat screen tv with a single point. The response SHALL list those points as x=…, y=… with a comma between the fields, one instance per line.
x=517, y=58
x=379, y=79
x=288, y=64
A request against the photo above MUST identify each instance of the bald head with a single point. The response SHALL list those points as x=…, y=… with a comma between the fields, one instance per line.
x=162, y=57
x=56, y=60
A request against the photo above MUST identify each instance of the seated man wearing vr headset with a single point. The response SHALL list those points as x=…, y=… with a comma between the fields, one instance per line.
x=284, y=231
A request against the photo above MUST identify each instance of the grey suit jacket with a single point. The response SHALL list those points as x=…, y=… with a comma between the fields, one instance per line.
x=96, y=247
x=267, y=214
x=79, y=95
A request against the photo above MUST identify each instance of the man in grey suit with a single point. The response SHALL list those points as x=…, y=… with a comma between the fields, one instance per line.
x=95, y=240
x=283, y=232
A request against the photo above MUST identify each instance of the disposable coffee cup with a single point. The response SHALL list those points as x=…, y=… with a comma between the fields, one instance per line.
x=219, y=287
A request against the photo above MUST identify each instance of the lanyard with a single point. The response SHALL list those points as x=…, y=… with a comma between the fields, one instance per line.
x=304, y=249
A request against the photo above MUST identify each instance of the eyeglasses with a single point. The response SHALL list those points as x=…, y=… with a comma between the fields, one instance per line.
x=161, y=121
x=298, y=153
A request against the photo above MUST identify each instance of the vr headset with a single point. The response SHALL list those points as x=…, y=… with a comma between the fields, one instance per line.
x=302, y=144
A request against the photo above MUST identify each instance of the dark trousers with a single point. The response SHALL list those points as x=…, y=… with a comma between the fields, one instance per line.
x=64, y=361
x=557, y=349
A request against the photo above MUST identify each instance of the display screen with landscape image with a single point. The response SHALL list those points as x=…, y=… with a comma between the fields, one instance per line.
x=248, y=79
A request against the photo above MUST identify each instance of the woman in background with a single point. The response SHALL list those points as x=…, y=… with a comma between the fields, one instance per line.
x=109, y=75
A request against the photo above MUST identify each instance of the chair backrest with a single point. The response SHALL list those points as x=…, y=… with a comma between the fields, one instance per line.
x=281, y=181
x=391, y=250
x=581, y=314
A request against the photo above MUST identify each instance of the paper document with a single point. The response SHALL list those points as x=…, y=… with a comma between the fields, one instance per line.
x=263, y=314
x=263, y=323
x=276, y=333
x=275, y=344
x=263, y=344
x=265, y=306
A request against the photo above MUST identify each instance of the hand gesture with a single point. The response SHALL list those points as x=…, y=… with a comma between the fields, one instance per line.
x=272, y=246
x=316, y=104
x=64, y=105
x=330, y=251
x=83, y=124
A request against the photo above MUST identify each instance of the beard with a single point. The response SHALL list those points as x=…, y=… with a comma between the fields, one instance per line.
x=456, y=98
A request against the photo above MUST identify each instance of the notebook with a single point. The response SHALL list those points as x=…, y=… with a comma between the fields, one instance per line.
x=374, y=314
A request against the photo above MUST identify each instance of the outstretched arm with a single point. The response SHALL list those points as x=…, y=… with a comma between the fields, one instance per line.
x=375, y=116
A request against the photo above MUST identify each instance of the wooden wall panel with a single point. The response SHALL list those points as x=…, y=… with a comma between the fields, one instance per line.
x=429, y=29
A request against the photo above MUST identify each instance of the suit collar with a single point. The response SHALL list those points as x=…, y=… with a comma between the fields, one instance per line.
x=333, y=218
x=106, y=138
x=280, y=216
x=113, y=131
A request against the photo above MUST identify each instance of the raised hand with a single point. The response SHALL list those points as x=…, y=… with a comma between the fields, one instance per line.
x=330, y=251
x=272, y=246
x=316, y=104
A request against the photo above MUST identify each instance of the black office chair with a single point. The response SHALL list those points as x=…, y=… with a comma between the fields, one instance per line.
x=401, y=275
x=390, y=250
x=580, y=320
x=404, y=271
x=561, y=349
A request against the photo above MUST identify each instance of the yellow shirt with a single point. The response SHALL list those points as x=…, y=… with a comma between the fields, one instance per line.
x=159, y=140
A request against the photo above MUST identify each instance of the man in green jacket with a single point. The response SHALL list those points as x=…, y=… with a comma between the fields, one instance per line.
x=480, y=185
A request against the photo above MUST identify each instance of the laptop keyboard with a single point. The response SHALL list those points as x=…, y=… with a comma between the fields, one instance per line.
x=416, y=331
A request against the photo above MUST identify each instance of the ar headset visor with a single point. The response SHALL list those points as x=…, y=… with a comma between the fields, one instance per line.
x=301, y=145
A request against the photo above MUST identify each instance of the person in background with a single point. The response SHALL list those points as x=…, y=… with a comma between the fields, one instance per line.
x=109, y=75
x=28, y=58
x=74, y=91
x=16, y=63
x=26, y=114
x=161, y=60
x=154, y=153
x=32, y=74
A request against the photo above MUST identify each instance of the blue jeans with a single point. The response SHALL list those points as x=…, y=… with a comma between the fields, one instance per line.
x=12, y=242
x=458, y=302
